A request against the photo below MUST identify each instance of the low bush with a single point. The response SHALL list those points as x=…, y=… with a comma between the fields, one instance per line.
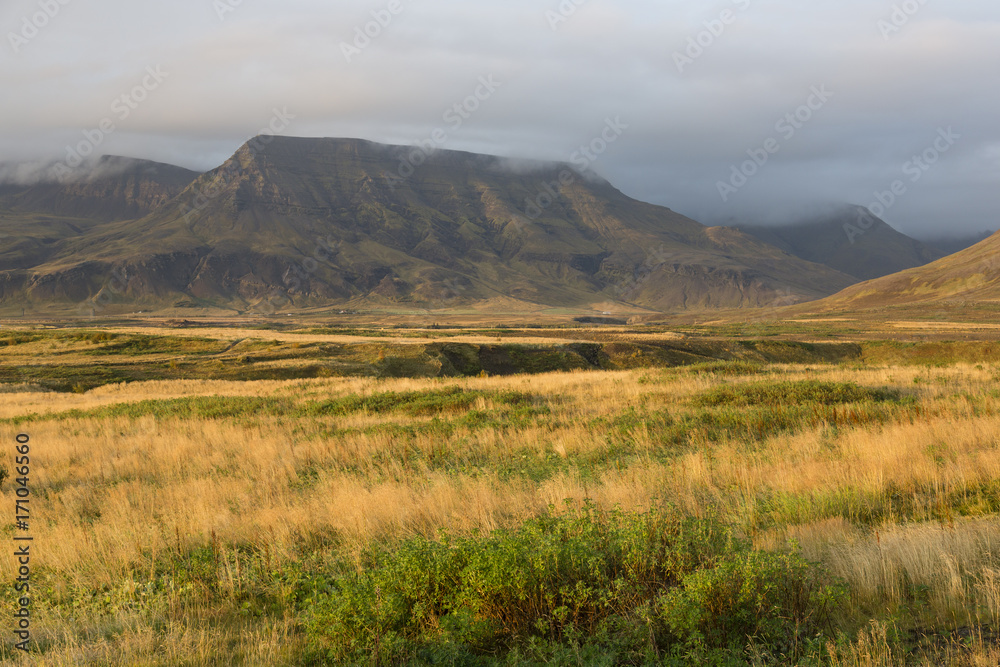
x=626, y=585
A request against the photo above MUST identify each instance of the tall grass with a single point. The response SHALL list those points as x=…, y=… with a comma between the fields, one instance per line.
x=199, y=515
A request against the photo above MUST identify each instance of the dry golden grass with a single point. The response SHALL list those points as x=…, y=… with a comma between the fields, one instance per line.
x=115, y=494
x=956, y=562
x=196, y=474
x=871, y=649
x=187, y=640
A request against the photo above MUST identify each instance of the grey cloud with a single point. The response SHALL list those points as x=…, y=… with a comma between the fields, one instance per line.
x=609, y=58
x=50, y=171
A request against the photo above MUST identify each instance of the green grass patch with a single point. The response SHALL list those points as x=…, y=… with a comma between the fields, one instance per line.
x=728, y=368
x=141, y=344
x=515, y=408
x=416, y=403
x=65, y=378
x=197, y=407
x=19, y=339
x=778, y=394
x=673, y=432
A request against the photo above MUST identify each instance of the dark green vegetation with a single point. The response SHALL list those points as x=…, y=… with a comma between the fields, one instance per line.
x=581, y=588
x=67, y=360
x=778, y=394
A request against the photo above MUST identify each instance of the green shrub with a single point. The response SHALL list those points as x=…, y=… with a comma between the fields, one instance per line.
x=632, y=585
x=779, y=600
x=756, y=423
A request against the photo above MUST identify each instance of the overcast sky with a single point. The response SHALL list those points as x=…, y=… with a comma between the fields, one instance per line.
x=701, y=87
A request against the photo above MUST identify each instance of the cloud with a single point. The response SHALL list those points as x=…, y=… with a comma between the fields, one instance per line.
x=608, y=58
x=52, y=171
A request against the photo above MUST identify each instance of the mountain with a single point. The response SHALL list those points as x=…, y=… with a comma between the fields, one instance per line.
x=972, y=275
x=110, y=188
x=849, y=239
x=949, y=245
x=311, y=222
x=39, y=211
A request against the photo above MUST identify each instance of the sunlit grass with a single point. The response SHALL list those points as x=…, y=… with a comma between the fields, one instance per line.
x=179, y=520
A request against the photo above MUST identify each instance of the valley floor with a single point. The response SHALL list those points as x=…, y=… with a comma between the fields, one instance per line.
x=231, y=499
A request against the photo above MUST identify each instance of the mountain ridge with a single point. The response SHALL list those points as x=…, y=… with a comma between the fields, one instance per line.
x=969, y=276
x=310, y=222
x=850, y=239
x=109, y=188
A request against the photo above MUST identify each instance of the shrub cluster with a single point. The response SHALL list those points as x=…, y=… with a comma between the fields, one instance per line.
x=628, y=588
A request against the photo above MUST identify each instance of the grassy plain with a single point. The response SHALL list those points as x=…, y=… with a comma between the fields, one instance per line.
x=505, y=496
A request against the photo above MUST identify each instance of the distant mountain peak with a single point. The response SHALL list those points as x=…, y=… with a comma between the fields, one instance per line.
x=105, y=188
x=850, y=239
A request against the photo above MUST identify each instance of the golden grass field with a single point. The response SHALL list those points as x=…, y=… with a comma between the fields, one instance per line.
x=169, y=531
